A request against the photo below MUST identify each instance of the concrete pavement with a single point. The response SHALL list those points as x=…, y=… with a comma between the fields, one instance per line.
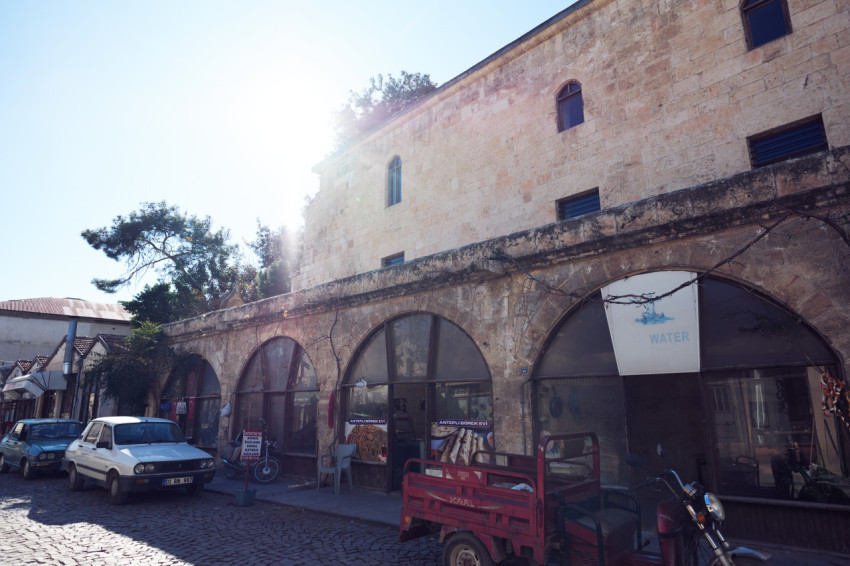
x=385, y=509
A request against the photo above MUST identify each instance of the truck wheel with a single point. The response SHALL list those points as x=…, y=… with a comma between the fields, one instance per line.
x=117, y=496
x=464, y=549
x=4, y=467
x=27, y=471
x=75, y=482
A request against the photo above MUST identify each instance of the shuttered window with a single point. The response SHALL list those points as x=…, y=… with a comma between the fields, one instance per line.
x=579, y=205
x=396, y=259
x=800, y=138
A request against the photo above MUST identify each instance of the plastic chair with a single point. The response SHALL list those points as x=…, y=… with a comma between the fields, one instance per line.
x=338, y=462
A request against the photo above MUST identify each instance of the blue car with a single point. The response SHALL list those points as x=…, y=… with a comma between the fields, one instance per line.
x=37, y=445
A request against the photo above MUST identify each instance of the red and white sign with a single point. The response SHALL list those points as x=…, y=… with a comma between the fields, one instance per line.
x=252, y=444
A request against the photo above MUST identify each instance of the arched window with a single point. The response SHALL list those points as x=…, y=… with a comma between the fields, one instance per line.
x=570, y=106
x=192, y=398
x=394, y=181
x=278, y=393
x=742, y=421
x=418, y=382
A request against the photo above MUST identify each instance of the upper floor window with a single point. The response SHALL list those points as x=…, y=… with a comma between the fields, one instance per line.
x=765, y=20
x=574, y=206
x=394, y=181
x=395, y=259
x=791, y=140
x=570, y=106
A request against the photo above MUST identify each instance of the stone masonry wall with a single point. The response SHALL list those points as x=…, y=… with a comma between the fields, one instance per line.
x=670, y=95
x=509, y=293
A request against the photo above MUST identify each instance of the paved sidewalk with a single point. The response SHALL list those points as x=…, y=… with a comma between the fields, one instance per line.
x=369, y=506
x=385, y=509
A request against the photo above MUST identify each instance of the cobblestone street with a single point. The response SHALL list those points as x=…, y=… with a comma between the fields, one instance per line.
x=42, y=522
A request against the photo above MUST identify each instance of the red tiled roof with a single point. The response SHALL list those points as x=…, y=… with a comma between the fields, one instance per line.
x=67, y=308
x=82, y=344
x=113, y=341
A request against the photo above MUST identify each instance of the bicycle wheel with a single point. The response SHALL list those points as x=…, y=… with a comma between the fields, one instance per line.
x=266, y=470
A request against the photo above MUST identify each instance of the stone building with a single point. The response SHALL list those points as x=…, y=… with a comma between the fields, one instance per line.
x=631, y=220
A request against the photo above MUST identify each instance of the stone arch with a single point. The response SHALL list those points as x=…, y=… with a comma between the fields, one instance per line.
x=192, y=398
x=414, y=381
x=754, y=389
x=278, y=393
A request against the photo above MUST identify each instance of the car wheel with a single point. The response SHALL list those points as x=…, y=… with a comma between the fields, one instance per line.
x=195, y=488
x=4, y=467
x=75, y=482
x=117, y=496
x=26, y=470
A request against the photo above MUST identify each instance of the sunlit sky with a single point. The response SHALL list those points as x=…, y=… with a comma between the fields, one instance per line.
x=220, y=108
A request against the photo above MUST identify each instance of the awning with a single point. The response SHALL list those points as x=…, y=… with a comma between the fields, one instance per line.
x=35, y=383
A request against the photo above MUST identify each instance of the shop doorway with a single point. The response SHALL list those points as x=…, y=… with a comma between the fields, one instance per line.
x=410, y=421
x=666, y=410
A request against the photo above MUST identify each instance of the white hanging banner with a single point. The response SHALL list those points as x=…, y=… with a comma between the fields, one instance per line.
x=661, y=336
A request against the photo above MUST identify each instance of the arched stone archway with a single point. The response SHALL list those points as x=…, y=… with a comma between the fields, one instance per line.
x=192, y=398
x=416, y=385
x=278, y=393
x=744, y=420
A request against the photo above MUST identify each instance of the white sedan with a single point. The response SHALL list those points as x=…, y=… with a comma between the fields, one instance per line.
x=131, y=454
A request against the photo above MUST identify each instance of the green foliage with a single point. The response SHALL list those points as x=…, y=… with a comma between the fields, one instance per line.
x=130, y=374
x=157, y=303
x=183, y=249
x=377, y=103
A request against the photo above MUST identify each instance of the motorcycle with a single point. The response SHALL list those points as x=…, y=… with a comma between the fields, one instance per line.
x=264, y=470
x=690, y=516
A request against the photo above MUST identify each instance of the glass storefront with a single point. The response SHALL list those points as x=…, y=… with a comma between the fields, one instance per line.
x=192, y=398
x=749, y=423
x=278, y=393
x=418, y=388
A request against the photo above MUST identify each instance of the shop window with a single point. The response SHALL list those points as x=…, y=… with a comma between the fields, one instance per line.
x=394, y=181
x=279, y=394
x=769, y=445
x=570, y=106
x=792, y=140
x=418, y=384
x=759, y=387
x=192, y=398
x=579, y=205
x=587, y=404
x=765, y=20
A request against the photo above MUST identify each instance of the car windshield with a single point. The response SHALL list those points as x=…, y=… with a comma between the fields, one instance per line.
x=147, y=433
x=55, y=430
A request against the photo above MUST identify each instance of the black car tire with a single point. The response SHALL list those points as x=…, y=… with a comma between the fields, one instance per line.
x=26, y=470
x=117, y=496
x=195, y=488
x=4, y=467
x=75, y=482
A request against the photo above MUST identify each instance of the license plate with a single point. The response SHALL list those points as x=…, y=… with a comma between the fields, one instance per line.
x=177, y=481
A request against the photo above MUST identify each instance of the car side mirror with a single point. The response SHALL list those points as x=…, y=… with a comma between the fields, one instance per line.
x=103, y=444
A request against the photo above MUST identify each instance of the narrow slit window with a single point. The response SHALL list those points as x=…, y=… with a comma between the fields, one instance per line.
x=394, y=181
